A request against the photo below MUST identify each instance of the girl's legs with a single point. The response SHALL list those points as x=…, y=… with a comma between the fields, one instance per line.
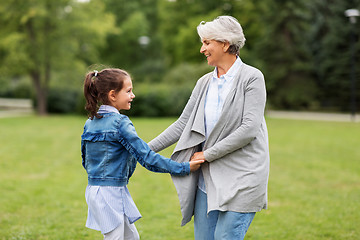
x=233, y=225
x=125, y=231
x=204, y=224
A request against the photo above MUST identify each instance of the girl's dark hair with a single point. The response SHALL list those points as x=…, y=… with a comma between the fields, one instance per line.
x=97, y=85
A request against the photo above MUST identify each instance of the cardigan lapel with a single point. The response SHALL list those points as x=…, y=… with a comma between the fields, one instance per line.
x=192, y=136
x=198, y=124
x=194, y=131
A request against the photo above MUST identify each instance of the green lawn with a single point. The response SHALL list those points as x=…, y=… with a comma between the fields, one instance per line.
x=314, y=187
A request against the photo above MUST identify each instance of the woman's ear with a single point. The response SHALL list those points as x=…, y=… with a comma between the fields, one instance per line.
x=112, y=96
x=226, y=46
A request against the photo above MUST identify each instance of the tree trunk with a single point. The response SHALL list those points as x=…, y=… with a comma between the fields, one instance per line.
x=41, y=94
x=40, y=82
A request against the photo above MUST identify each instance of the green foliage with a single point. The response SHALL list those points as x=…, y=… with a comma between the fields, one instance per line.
x=159, y=100
x=314, y=190
x=186, y=74
x=169, y=97
x=150, y=71
x=63, y=100
x=188, y=42
x=285, y=55
x=178, y=29
x=43, y=37
x=135, y=19
x=302, y=47
x=126, y=42
x=17, y=88
x=330, y=43
x=306, y=54
x=59, y=99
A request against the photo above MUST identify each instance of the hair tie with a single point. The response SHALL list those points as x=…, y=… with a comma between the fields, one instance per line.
x=96, y=73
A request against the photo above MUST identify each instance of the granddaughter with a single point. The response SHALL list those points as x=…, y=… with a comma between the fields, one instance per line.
x=110, y=150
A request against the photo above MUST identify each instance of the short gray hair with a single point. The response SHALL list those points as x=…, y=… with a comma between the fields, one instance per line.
x=223, y=29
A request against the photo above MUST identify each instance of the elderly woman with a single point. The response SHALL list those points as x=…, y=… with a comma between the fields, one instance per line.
x=223, y=123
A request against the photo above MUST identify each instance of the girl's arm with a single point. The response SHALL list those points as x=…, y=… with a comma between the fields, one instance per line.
x=148, y=158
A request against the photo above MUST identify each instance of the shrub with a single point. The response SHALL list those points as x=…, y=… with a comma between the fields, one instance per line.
x=159, y=100
x=63, y=100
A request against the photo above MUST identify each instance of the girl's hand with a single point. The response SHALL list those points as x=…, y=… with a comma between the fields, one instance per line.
x=195, y=164
x=196, y=160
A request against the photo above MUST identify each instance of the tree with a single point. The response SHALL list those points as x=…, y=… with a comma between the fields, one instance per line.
x=42, y=37
x=286, y=56
x=177, y=29
x=331, y=50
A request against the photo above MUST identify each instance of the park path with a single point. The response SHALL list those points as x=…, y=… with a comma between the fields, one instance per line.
x=15, y=107
x=317, y=116
x=15, y=113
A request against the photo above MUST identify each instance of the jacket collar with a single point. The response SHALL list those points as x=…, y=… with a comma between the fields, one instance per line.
x=107, y=109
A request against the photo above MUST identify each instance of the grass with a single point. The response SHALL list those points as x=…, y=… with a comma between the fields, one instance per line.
x=314, y=187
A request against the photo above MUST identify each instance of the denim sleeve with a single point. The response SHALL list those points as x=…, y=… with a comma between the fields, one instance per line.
x=144, y=155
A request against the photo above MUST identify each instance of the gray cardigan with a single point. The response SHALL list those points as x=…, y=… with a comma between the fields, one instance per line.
x=237, y=151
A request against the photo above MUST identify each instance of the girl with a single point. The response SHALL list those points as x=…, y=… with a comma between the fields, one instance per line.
x=110, y=150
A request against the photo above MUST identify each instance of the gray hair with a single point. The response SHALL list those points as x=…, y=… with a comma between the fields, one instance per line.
x=223, y=29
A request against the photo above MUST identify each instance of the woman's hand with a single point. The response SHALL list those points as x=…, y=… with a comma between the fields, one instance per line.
x=198, y=156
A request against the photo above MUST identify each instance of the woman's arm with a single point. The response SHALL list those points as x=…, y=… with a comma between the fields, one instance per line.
x=254, y=106
x=172, y=134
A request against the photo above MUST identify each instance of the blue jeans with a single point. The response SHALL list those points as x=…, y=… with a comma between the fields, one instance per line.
x=219, y=225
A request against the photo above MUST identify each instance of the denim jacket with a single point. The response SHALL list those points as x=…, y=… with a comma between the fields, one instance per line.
x=111, y=148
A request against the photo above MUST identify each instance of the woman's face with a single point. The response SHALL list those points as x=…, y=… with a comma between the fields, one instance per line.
x=213, y=50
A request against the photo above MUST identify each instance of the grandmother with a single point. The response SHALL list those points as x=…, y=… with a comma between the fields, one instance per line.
x=223, y=123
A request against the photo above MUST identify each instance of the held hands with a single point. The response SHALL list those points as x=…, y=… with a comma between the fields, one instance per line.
x=196, y=160
x=198, y=156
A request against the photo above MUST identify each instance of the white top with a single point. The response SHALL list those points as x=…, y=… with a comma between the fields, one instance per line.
x=216, y=94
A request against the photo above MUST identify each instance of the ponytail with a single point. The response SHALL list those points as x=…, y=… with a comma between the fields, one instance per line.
x=91, y=94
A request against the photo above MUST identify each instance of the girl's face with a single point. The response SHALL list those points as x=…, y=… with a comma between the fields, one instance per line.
x=122, y=99
x=213, y=50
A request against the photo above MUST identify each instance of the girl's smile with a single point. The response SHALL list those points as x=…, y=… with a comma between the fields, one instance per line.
x=122, y=100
